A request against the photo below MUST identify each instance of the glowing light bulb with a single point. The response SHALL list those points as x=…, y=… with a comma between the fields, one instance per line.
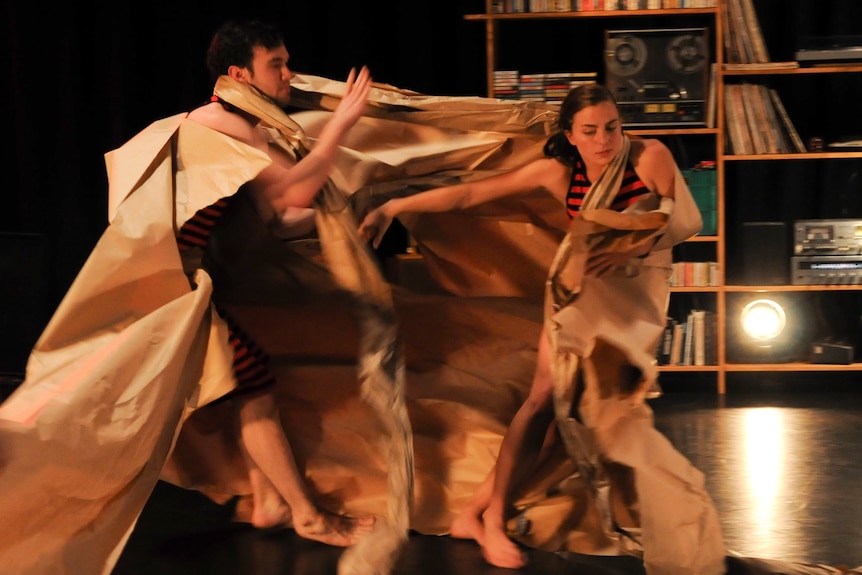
x=763, y=319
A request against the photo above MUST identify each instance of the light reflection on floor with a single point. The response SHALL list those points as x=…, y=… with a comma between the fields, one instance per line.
x=785, y=479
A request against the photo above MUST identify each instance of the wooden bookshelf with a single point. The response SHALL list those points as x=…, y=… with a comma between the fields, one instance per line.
x=726, y=72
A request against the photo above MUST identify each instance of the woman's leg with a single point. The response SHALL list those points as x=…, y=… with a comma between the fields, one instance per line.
x=519, y=454
x=468, y=523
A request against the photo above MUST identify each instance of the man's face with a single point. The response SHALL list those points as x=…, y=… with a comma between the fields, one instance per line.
x=269, y=73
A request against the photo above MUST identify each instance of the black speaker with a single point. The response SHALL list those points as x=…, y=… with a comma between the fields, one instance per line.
x=840, y=197
x=766, y=253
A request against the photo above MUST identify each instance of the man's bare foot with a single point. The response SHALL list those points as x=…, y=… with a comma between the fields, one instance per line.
x=501, y=551
x=271, y=514
x=333, y=529
x=468, y=525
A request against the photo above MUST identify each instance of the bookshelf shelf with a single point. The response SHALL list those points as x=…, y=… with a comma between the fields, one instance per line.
x=727, y=71
x=673, y=131
x=694, y=289
x=689, y=368
x=790, y=288
x=590, y=14
x=792, y=366
x=797, y=156
x=754, y=70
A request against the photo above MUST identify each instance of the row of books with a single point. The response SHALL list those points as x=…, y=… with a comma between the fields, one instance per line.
x=757, y=121
x=694, y=274
x=517, y=6
x=743, y=39
x=553, y=87
x=692, y=341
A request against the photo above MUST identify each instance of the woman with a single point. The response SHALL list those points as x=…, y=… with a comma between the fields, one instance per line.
x=590, y=140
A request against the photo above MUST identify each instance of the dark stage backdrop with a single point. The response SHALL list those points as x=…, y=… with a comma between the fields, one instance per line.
x=84, y=77
x=81, y=78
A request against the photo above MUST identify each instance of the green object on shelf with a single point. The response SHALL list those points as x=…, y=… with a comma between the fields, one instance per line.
x=702, y=183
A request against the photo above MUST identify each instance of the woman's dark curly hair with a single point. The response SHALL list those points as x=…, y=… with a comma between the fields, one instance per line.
x=234, y=41
x=577, y=99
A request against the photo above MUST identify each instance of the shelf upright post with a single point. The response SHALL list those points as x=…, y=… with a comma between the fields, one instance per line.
x=490, y=48
x=720, y=255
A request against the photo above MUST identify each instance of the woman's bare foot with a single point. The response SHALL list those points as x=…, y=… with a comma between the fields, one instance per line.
x=332, y=528
x=468, y=525
x=501, y=551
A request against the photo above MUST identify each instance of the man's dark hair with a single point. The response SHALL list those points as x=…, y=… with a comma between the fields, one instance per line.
x=234, y=41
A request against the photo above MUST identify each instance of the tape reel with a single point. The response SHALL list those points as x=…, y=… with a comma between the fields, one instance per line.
x=626, y=55
x=687, y=54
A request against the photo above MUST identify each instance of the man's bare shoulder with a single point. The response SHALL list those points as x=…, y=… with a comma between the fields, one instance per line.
x=214, y=116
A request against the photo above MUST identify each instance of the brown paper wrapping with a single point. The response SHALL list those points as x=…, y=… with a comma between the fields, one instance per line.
x=118, y=388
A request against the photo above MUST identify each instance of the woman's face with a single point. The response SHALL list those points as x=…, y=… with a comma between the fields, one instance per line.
x=597, y=133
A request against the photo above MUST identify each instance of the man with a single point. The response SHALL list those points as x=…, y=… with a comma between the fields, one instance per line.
x=133, y=350
x=253, y=53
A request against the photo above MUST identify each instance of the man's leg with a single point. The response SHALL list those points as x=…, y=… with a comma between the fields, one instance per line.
x=264, y=438
x=269, y=508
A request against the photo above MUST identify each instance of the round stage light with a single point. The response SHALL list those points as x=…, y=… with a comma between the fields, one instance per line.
x=763, y=320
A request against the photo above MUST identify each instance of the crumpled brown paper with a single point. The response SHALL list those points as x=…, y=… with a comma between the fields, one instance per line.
x=118, y=388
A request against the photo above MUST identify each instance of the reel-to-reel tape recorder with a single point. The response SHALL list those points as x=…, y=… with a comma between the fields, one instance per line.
x=658, y=77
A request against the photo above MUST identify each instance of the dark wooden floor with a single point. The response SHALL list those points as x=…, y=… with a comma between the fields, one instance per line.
x=784, y=467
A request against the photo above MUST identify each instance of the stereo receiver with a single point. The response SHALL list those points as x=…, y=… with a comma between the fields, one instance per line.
x=824, y=270
x=827, y=252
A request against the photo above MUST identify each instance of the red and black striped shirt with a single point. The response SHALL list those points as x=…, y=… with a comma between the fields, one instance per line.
x=631, y=189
